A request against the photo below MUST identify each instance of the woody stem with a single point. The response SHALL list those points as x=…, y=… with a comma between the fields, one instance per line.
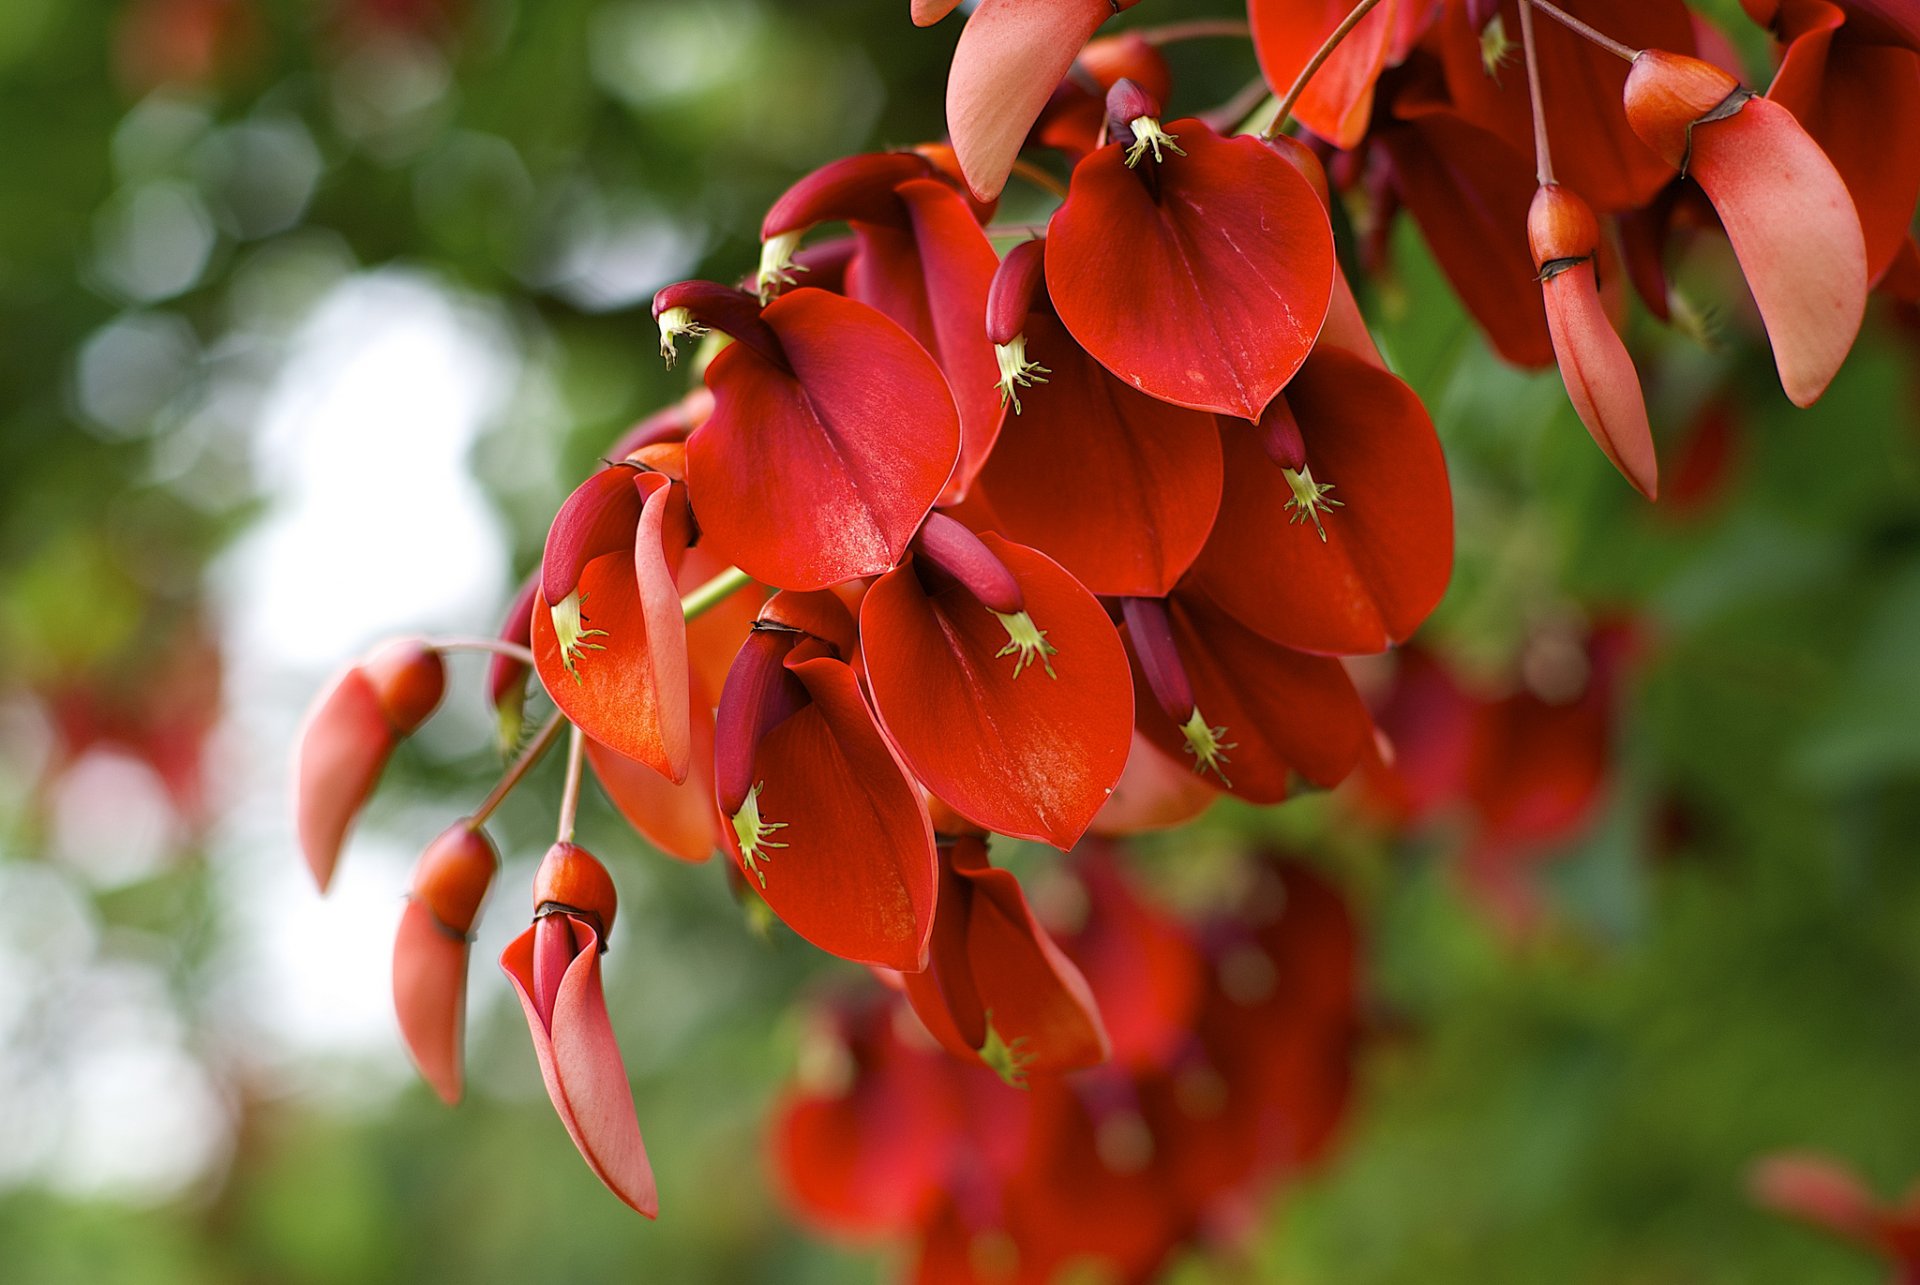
x=1542, y=155
x=536, y=750
x=570, y=792
x=1320, y=56
x=1198, y=29
x=1580, y=28
x=498, y=646
x=714, y=592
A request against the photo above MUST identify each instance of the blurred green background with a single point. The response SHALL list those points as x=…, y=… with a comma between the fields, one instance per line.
x=312, y=314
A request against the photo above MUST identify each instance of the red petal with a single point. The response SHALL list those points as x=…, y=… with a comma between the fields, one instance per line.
x=715, y=635
x=430, y=997
x=677, y=819
x=1118, y=487
x=1796, y=233
x=810, y=477
x=1600, y=377
x=1144, y=969
x=1817, y=1189
x=580, y=1063
x=1338, y=101
x=1388, y=552
x=597, y=519
x=1033, y=756
x=630, y=691
x=856, y=877
x=932, y=278
x=1209, y=296
x=1010, y=57
x=344, y=743
x=1153, y=793
x=1283, y=710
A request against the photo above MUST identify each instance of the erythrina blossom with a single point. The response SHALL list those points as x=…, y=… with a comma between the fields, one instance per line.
x=431, y=947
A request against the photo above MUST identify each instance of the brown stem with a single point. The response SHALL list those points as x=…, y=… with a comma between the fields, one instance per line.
x=1320, y=56
x=1198, y=29
x=1010, y=230
x=570, y=792
x=1582, y=30
x=1040, y=178
x=536, y=750
x=1231, y=113
x=1542, y=154
x=498, y=646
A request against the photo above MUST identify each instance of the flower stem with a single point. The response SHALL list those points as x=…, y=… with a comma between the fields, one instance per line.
x=1040, y=178
x=1581, y=29
x=1229, y=116
x=1542, y=154
x=1011, y=231
x=570, y=793
x=1320, y=56
x=536, y=750
x=498, y=646
x=714, y=592
x=1199, y=29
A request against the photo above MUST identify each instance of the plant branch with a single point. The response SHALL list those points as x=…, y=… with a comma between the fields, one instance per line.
x=498, y=646
x=1542, y=154
x=516, y=771
x=714, y=592
x=1040, y=178
x=1198, y=29
x=570, y=793
x=1580, y=28
x=1320, y=56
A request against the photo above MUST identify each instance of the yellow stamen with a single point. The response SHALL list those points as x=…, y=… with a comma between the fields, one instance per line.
x=675, y=322
x=754, y=834
x=1148, y=134
x=1016, y=369
x=1309, y=497
x=1495, y=48
x=570, y=631
x=1026, y=642
x=1008, y=1061
x=1208, y=745
x=776, y=265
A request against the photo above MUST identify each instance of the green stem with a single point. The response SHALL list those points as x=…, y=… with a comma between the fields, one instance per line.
x=714, y=592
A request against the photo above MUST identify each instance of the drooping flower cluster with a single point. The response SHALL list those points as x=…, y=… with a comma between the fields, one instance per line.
x=1069, y=539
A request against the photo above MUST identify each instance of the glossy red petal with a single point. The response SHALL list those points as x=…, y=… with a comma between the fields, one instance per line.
x=597, y=519
x=1601, y=380
x=1029, y=754
x=1388, y=550
x=627, y=686
x=1338, y=101
x=430, y=996
x=677, y=819
x=1208, y=294
x=1118, y=487
x=864, y=417
x=343, y=745
x=857, y=874
x=580, y=1063
x=932, y=277
x=1283, y=710
x=1010, y=57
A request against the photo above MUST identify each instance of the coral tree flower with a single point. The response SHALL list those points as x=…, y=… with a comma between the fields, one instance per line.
x=1197, y=268
x=997, y=990
x=430, y=952
x=919, y=256
x=1118, y=487
x=832, y=433
x=1001, y=681
x=1785, y=208
x=1600, y=377
x=821, y=815
x=347, y=738
x=1824, y=1193
x=554, y=968
x=609, y=639
x=1338, y=101
x=1010, y=57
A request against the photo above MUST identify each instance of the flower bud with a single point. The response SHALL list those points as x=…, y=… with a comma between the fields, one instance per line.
x=572, y=881
x=1668, y=94
x=1560, y=226
x=453, y=876
x=408, y=679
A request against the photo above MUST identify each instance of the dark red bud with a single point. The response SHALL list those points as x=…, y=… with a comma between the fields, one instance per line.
x=572, y=880
x=853, y=188
x=958, y=553
x=1280, y=434
x=1151, y=631
x=1126, y=103
x=1017, y=286
x=597, y=519
x=554, y=949
x=408, y=678
x=758, y=696
x=694, y=307
x=453, y=874
x=507, y=677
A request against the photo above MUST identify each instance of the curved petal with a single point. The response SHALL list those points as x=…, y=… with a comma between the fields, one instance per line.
x=1283, y=710
x=1388, y=550
x=677, y=819
x=864, y=416
x=1019, y=751
x=1010, y=57
x=430, y=996
x=1118, y=487
x=343, y=746
x=1600, y=377
x=1202, y=279
x=581, y=1066
x=1338, y=101
x=627, y=686
x=857, y=874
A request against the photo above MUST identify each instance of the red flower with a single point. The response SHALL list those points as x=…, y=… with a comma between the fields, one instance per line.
x=1821, y=1191
x=430, y=952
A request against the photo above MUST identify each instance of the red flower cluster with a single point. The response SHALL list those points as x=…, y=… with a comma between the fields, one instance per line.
x=1232, y=1057
x=1040, y=528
